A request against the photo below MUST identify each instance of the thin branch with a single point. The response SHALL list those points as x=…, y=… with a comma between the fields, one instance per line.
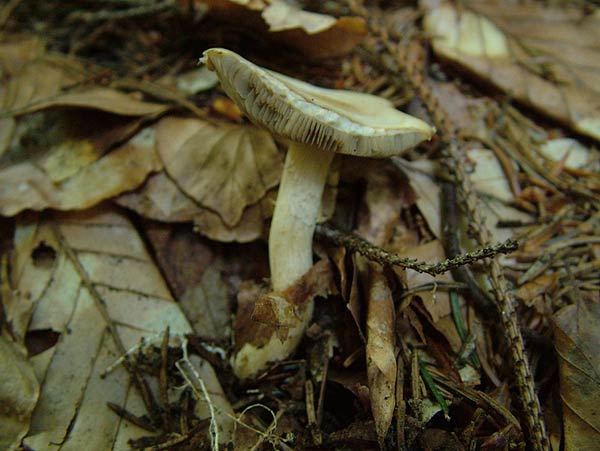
x=383, y=257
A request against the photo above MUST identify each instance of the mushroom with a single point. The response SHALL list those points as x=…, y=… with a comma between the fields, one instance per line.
x=317, y=123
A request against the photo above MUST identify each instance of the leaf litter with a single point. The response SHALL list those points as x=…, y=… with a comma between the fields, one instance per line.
x=397, y=357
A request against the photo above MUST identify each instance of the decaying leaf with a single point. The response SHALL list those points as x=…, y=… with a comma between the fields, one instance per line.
x=387, y=193
x=252, y=224
x=436, y=302
x=46, y=81
x=97, y=98
x=311, y=34
x=380, y=350
x=19, y=50
x=577, y=339
x=545, y=57
x=19, y=390
x=422, y=173
x=73, y=171
x=571, y=152
x=7, y=129
x=91, y=280
x=225, y=168
x=161, y=199
x=221, y=178
x=206, y=305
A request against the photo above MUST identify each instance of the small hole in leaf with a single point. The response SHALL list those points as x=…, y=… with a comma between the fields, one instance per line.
x=37, y=341
x=43, y=256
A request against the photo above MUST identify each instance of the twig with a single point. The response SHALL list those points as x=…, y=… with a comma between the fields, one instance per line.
x=383, y=257
x=140, y=422
x=193, y=379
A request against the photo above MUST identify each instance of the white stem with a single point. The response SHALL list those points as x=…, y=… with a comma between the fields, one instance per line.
x=298, y=203
x=290, y=248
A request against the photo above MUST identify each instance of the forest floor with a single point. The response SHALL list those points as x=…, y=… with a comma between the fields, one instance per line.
x=456, y=286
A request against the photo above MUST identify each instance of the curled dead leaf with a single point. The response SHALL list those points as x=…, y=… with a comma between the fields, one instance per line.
x=577, y=339
x=73, y=173
x=381, y=351
x=311, y=34
x=544, y=57
x=161, y=199
x=48, y=81
x=19, y=391
x=225, y=168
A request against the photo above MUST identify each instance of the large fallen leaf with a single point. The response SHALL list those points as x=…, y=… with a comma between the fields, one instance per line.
x=29, y=75
x=381, y=352
x=545, y=57
x=90, y=279
x=17, y=51
x=161, y=199
x=577, y=339
x=33, y=80
x=19, y=390
x=55, y=81
x=225, y=168
x=311, y=34
x=74, y=172
x=98, y=98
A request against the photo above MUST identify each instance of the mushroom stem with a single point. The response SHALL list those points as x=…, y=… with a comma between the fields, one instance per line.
x=298, y=203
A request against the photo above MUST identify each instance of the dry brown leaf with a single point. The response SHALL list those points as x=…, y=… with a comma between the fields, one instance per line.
x=19, y=391
x=34, y=80
x=577, y=339
x=97, y=287
x=422, y=173
x=40, y=84
x=225, y=168
x=7, y=129
x=384, y=199
x=381, y=351
x=73, y=173
x=18, y=51
x=161, y=199
x=251, y=226
x=98, y=98
x=38, y=80
x=436, y=302
x=207, y=306
x=311, y=34
x=544, y=57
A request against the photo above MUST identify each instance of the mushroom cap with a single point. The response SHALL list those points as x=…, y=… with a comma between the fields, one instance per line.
x=335, y=120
